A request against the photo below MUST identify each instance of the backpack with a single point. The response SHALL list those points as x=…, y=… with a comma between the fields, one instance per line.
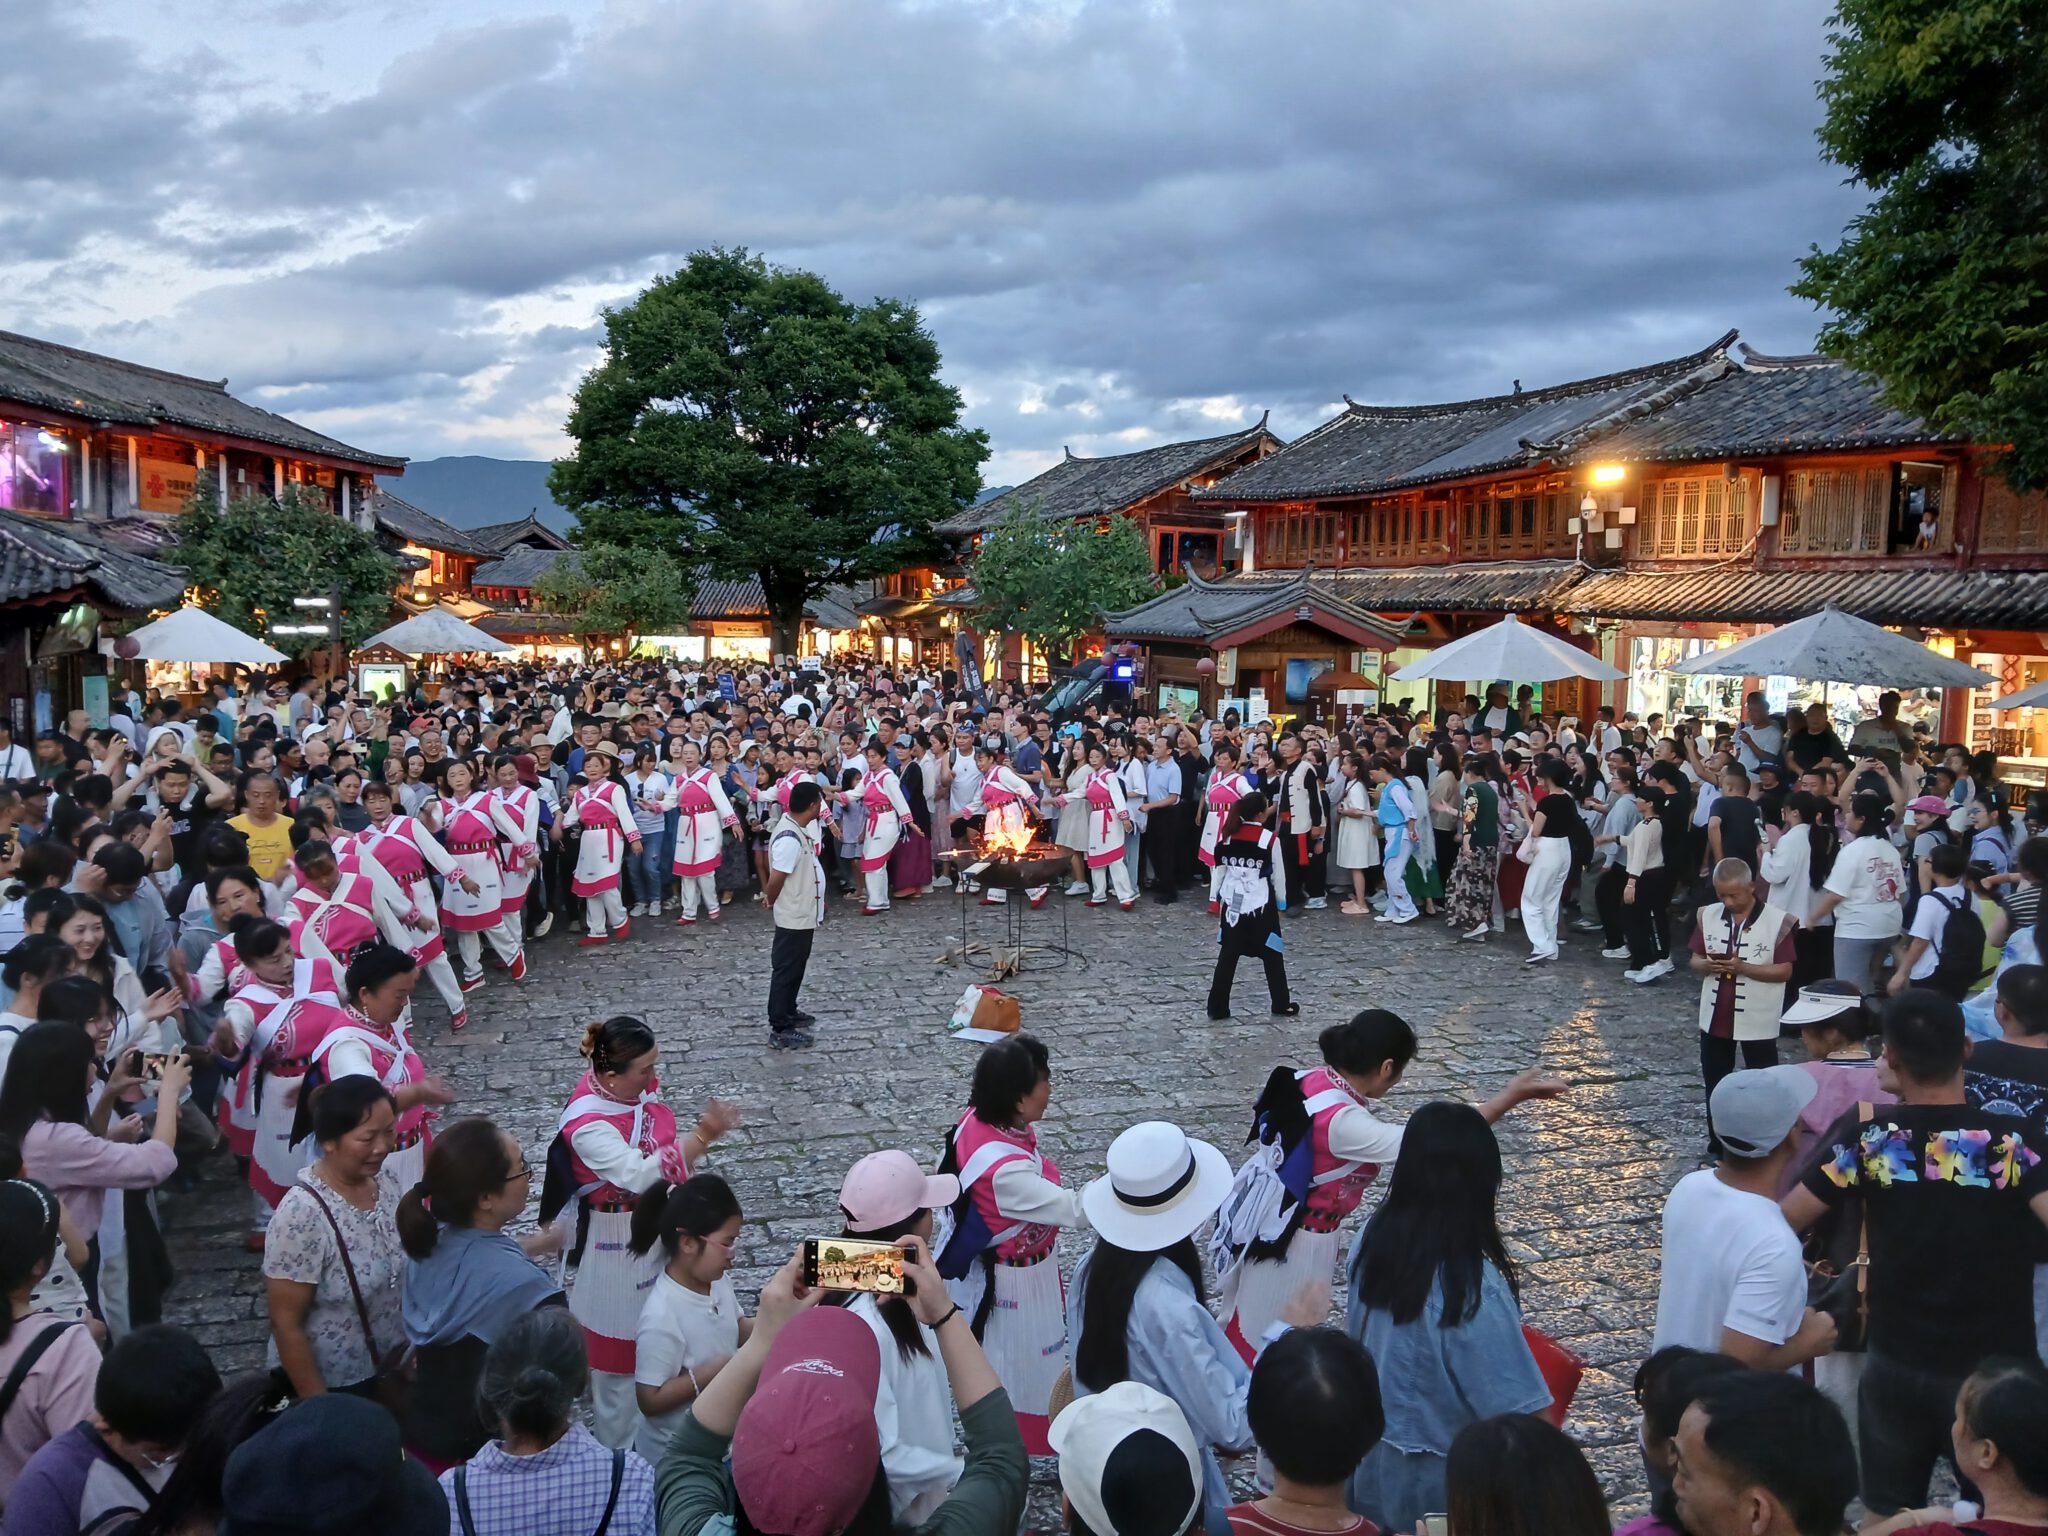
x=1580, y=836
x=1959, y=952
x=1269, y=1194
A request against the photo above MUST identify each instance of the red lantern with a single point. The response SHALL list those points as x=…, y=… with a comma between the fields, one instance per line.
x=1206, y=666
x=127, y=647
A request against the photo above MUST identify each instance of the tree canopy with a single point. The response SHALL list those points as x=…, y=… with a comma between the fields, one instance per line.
x=1053, y=582
x=1940, y=289
x=750, y=418
x=605, y=589
x=254, y=556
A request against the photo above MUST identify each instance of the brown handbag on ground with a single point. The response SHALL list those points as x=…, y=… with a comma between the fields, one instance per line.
x=394, y=1373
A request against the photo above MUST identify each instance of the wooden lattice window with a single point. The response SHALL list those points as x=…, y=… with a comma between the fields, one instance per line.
x=1836, y=511
x=1705, y=515
x=2012, y=522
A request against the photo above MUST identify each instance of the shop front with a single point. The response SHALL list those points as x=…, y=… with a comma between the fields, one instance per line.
x=2019, y=737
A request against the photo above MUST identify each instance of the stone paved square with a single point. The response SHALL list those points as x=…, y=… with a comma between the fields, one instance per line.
x=1586, y=1175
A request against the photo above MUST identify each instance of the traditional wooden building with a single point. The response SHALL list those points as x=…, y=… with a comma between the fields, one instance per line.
x=438, y=560
x=1648, y=515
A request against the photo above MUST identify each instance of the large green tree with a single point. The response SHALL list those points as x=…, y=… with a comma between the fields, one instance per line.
x=606, y=589
x=750, y=418
x=249, y=559
x=1940, y=289
x=1054, y=582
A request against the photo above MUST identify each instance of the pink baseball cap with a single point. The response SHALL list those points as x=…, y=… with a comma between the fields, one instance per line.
x=885, y=1188
x=805, y=1449
x=1933, y=805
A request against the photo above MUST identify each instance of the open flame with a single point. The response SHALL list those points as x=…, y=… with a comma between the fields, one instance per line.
x=1005, y=842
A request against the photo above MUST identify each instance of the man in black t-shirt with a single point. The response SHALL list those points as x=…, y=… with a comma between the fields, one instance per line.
x=2010, y=1076
x=1954, y=1202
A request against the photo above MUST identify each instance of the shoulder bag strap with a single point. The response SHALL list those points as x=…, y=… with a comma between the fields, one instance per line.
x=612, y=1503
x=26, y=1362
x=348, y=1267
x=462, y=1500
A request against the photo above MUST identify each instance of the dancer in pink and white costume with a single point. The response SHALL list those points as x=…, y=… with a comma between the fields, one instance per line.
x=881, y=794
x=516, y=809
x=406, y=851
x=373, y=1038
x=604, y=811
x=475, y=909
x=1109, y=823
x=1226, y=787
x=1007, y=800
x=704, y=816
x=617, y=1140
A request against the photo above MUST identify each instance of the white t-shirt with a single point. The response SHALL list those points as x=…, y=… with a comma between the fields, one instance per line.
x=1768, y=739
x=1730, y=1261
x=679, y=1330
x=914, y=1417
x=1871, y=882
x=1929, y=918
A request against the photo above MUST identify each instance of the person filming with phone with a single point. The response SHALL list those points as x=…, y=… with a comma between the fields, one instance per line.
x=795, y=1409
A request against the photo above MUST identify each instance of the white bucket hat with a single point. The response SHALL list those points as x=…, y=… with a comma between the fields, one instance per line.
x=1162, y=1184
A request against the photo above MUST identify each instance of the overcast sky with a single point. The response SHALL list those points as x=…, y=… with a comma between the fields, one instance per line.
x=1124, y=220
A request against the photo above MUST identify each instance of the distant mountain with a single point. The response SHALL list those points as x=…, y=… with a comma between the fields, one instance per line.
x=991, y=492
x=470, y=491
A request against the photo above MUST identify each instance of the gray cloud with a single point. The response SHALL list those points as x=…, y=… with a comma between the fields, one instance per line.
x=1111, y=212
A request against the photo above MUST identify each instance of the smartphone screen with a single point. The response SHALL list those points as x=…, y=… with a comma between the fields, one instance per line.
x=153, y=1067
x=854, y=1264
x=1436, y=1525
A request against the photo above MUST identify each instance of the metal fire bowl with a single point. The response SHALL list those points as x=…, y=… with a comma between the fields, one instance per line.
x=1023, y=874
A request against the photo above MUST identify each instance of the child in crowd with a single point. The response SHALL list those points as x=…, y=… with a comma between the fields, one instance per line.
x=691, y=1323
x=1315, y=1411
x=850, y=821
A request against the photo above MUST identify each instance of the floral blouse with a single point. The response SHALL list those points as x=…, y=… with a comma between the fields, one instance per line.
x=301, y=1247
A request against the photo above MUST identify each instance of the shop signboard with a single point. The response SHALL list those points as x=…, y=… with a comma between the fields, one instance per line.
x=164, y=485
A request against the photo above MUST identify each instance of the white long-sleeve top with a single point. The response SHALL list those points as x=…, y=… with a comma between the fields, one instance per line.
x=606, y=1155
x=1788, y=871
x=1022, y=1194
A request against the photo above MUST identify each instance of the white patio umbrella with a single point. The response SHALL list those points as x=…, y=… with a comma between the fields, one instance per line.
x=194, y=635
x=1836, y=647
x=1511, y=650
x=436, y=632
x=2035, y=697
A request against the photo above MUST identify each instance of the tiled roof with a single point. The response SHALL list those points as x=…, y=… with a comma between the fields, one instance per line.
x=1763, y=406
x=1079, y=487
x=400, y=518
x=1200, y=609
x=521, y=530
x=40, y=557
x=1376, y=448
x=1993, y=599
x=519, y=566
x=76, y=383
x=521, y=626
x=741, y=600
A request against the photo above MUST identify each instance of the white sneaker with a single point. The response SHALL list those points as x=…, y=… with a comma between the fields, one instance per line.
x=1478, y=932
x=1633, y=975
x=941, y=881
x=638, y=909
x=1645, y=976
x=1664, y=967
x=1405, y=917
x=1316, y=904
x=1539, y=957
x=541, y=928
x=1614, y=954
x=1586, y=925
x=1078, y=888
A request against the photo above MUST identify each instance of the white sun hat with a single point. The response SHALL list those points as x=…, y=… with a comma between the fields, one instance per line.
x=1161, y=1186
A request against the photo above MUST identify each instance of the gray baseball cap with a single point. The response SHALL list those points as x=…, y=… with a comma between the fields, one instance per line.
x=1755, y=1111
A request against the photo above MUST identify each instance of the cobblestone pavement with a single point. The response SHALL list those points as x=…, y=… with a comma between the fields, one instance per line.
x=1125, y=1021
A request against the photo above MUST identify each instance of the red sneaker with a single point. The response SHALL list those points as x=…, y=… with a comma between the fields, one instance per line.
x=1215, y=907
x=686, y=921
x=517, y=970
x=712, y=915
x=872, y=911
x=1098, y=901
x=624, y=930
x=460, y=1018
x=471, y=983
x=592, y=938
x=1127, y=905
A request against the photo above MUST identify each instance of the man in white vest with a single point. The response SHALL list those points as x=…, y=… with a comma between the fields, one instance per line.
x=796, y=898
x=1742, y=952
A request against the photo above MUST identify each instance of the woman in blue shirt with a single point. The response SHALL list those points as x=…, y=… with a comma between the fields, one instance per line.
x=1433, y=1297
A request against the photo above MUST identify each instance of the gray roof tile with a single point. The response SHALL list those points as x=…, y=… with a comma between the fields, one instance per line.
x=40, y=557
x=402, y=519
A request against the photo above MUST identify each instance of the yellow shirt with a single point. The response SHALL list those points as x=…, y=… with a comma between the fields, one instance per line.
x=270, y=848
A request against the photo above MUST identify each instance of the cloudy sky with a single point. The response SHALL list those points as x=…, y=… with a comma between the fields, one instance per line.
x=1125, y=220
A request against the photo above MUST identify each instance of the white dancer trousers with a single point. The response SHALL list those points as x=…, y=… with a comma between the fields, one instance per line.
x=699, y=890
x=1103, y=878
x=468, y=943
x=877, y=886
x=604, y=912
x=442, y=975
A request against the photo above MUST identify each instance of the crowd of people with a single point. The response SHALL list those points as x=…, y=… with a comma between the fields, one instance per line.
x=219, y=912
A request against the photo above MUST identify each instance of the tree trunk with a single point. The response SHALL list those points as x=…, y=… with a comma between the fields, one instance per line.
x=785, y=627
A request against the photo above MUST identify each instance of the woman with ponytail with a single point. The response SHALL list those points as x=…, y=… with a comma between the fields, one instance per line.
x=617, y=1140
x=1251, y=895
x=691, y=1324
x=466, y=1279
x=55, y=1391
x=545, y=1472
